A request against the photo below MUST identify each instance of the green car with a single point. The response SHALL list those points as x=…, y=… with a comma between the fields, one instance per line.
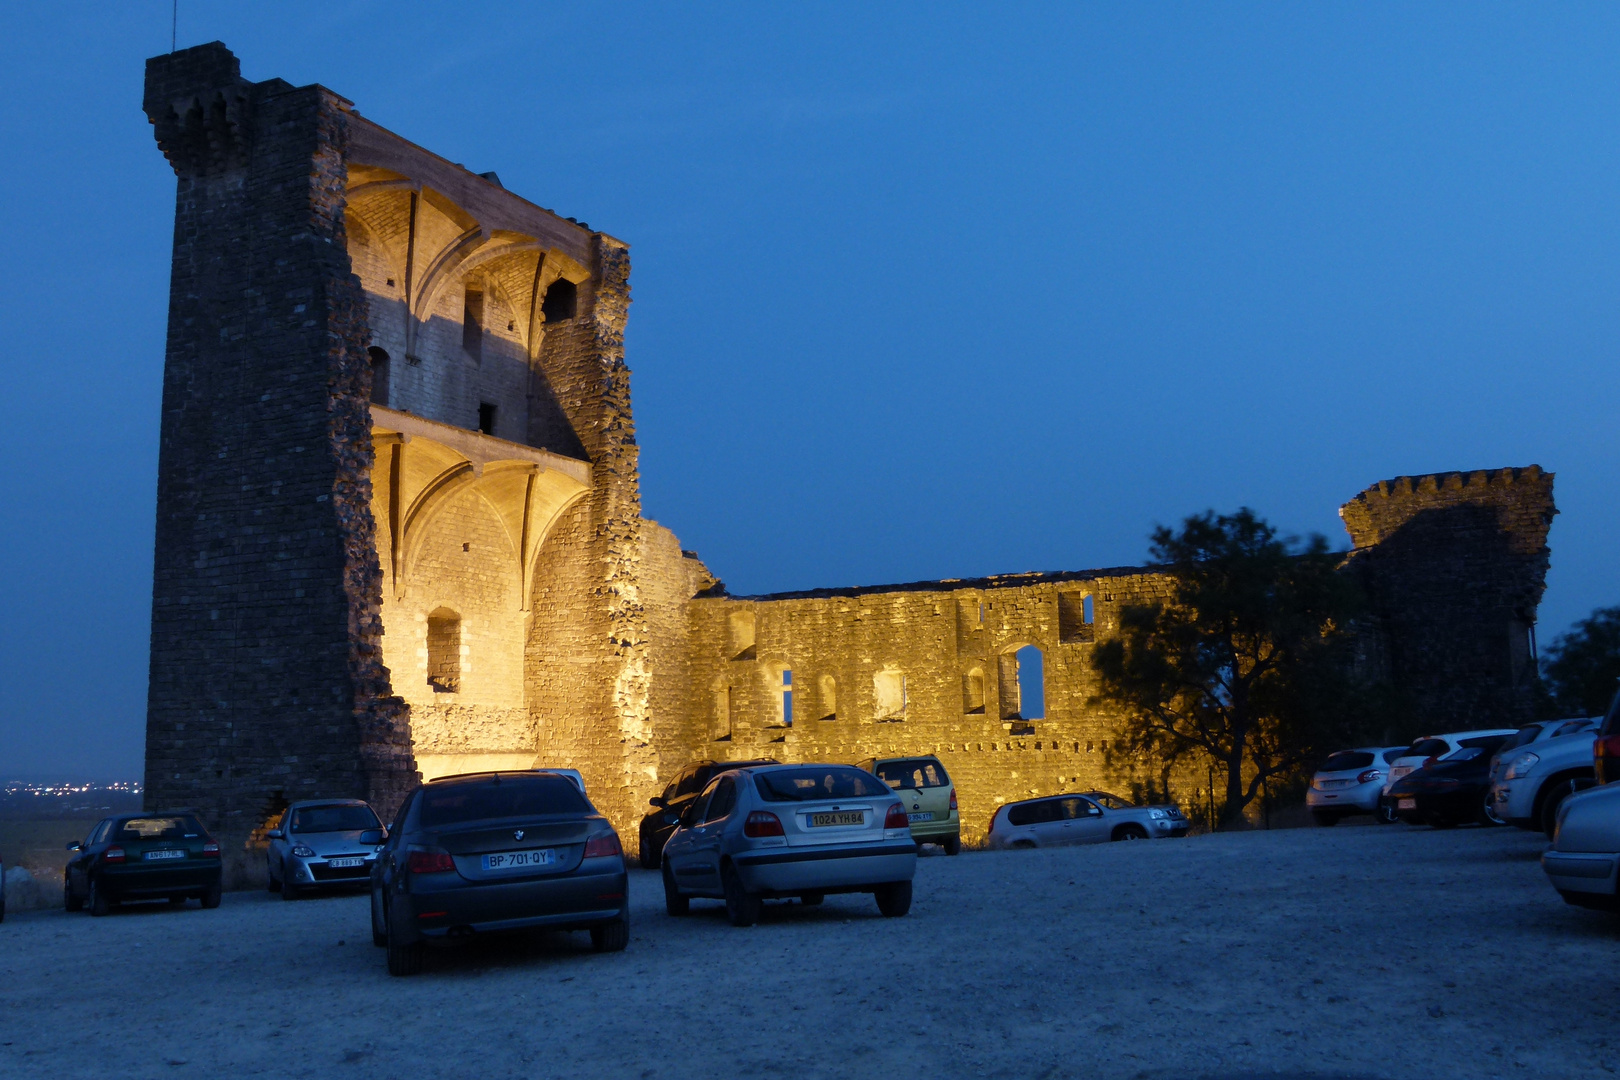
x=167, y=856
x=929, y=797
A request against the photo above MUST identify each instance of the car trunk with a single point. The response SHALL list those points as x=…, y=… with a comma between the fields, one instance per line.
x=926, y=805
x=828, y=821
x=471, y=845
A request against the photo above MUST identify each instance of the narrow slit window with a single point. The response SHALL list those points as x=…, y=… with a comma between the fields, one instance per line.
x=486, y=417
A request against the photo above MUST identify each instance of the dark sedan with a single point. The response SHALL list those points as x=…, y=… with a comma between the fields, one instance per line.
x=1446, y=793
x=495, y=852
x=166, y=856
x=657, y=827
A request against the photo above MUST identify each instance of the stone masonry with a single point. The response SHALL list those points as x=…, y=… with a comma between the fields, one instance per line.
x=400, y=536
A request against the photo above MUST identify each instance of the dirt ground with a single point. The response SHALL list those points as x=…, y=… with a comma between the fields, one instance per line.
x=1342, y=953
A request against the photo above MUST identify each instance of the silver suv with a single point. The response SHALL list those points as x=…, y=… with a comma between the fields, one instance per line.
x=1549, y=762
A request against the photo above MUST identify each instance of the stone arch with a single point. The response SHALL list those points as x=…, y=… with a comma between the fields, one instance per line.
x=973, y=691
x=1020, y=681
x=827, y=697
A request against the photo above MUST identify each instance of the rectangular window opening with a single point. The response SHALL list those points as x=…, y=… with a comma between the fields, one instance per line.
x=486, y=418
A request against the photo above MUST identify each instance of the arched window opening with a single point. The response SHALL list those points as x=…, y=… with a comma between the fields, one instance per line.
x=722, y=714
x=889, y=693
x=740, y=635
x=472, y=325
x=444, y=651
x=562, y=297
x=829, y=697
x=1075, y=617
x=379, y=375
x=973, y=692
x=787, y=697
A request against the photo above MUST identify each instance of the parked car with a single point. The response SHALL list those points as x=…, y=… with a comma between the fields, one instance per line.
x=316, y=845
x=1350, y=782
x=1089, y=818
x=1447, y=792
x=1606, y=751
x=493, y=852
x=1533, y=774
x=657, y=827
x=928, y=795
x=777, y=831
x=1428, y=748
x=1586, y=849
x=166, y=855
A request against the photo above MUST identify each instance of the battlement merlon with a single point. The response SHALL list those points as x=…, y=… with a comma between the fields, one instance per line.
x=1522, y=498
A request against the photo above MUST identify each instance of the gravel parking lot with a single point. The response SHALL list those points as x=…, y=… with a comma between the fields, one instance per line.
x=1350, y=952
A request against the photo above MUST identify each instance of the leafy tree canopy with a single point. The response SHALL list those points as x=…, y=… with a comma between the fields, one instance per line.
x=1248, y=663
x=1582, y=667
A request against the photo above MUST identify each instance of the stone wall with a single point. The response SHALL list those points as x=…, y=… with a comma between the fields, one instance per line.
x=267, y=681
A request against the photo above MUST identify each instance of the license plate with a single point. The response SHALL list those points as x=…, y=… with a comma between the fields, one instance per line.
x=926, y=815
x=519, y=860
x=340, y=864
x=846, y=817
x=1407, y=804
x=153, y=856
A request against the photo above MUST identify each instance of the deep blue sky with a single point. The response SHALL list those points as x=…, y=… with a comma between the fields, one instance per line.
x=919, y=292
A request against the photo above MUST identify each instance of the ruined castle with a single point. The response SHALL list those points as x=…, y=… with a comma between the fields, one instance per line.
x=399, y=529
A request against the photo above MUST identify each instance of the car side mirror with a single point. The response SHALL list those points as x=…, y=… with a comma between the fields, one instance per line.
x=275, y=834
x=373, y=837
x=75, y=846
x=1094, y=812
x=659, y=802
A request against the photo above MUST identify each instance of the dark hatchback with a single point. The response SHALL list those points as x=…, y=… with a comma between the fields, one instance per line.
x=658, y=826
x=1446, y=793
x=497, y=852
x=165, y=855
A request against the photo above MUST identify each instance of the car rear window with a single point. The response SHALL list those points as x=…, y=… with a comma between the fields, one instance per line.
x=1427, y=748
x=1486, y=742
x=159, y=828
x=1033, y=813
x=1345, y=760
x=912, y=773
x=821, y=782
x=506, y=797
x=319, y=819
x=1526, y=734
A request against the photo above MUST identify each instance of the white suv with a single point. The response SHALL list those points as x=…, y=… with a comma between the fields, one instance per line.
x=1529, y=781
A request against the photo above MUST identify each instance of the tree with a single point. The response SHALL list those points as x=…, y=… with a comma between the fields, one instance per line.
x=1249, y=661
x=1582, y=667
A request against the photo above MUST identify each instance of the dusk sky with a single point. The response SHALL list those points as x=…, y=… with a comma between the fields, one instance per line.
x=919, y=292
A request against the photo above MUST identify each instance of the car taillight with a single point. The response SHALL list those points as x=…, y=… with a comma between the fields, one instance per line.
x=1607, y=747
x=430, y=862
x=762, y=823
x=992, y=827
x=211, y=848
x=1369, y=776
x=953, y=798
x=113, y=854
x=1429, y=761
x=603, y=844
x=896, y=817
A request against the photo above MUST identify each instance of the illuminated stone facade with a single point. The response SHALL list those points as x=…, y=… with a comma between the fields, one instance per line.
x=400, y=533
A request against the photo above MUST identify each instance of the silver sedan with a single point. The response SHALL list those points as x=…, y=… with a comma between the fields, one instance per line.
x=321, y=844
x=781, y=831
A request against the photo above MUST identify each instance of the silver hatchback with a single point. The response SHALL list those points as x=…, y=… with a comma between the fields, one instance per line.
x=781, y=831
x=323, y=844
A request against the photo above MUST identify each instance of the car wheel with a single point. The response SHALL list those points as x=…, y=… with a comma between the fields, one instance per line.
x=1487, y=813
x=211, y=896
x=379, y=933
x=271, y=882
x=894, y=899
x=403, y=959
x=742, y=906
x=811, y=899
x=612, y=937
x=1325, y=818
x=1130, y=832
x=289, y=887
x=100, y=902
x=953, y=845
x=648, y=854
x=1385, y=815
x=674, y=902
x=1552, y=801
x=70, y=901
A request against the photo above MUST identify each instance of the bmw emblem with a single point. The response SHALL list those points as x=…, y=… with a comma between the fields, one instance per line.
x=518, y=835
